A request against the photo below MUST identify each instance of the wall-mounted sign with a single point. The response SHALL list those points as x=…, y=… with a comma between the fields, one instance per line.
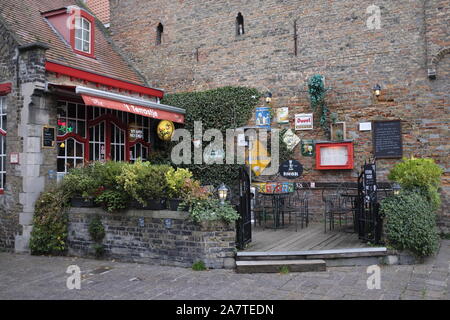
x=168, y=223
x=304, y=121
x=48, y=137
x=334, y=156
x=283, y=115
x=291, y=139
x=291, y=169
x=387, y=139
x=258, y=157
x=165, y=130
x=307, y=148
x=14, y=158
x=263, y=117
x=370, y=182
x=365, y=126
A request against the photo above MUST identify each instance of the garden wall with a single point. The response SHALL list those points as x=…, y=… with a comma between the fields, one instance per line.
x=155, y=237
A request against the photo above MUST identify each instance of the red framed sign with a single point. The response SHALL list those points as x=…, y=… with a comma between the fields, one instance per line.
x=334, y=156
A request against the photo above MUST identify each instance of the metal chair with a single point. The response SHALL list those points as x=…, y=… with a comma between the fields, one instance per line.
x=263, y=208
x=336, y=205
x=299, y=205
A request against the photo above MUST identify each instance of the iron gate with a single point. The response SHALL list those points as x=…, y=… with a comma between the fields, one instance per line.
x=370, y=223
x=244, y=224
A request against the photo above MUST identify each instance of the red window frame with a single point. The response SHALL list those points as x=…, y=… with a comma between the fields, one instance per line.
x=350, y=156
x=91, y=19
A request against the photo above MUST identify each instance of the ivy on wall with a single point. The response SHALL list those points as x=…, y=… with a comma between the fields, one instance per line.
x=222, y=108
x=317, y=93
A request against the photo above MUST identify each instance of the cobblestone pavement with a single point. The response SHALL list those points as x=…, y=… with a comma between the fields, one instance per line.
x=28, y=277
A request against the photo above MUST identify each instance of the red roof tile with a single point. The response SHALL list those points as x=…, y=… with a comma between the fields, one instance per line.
x=100, y=8
x=24, y=18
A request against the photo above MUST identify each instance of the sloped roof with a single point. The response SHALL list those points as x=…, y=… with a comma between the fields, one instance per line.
x=100, y=8
x=24, y=18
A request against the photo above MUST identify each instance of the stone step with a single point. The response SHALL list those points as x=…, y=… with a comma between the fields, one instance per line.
x=275, y=266
x=333, y=258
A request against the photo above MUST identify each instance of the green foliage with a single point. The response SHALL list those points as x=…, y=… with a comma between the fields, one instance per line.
x=176, y=182
x=211, y=210
x=81, y=182
x=284, y=270
x=50, y=221
x=422, y=175
x=96, y=229
x=113, y=200
x=144, y=181
x=228, y=107
x=285, y=154
x=410, y=223
x=199, y=266
x=317, y=93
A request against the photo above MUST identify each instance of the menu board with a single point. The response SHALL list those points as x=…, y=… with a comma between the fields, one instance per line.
x=48, y=137
x=334, y=156
x=387, y=139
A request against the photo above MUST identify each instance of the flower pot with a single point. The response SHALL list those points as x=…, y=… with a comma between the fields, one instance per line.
x=173, y=204
x=152, y=204
x=80, y=202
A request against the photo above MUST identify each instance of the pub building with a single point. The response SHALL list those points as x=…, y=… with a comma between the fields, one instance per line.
x=67, y=97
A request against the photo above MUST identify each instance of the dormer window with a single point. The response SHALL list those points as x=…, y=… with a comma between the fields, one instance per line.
x=83, y=35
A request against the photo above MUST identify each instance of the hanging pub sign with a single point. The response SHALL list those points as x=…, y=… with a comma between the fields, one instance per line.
x=307, y=148
x=263, y=117
x=291, y=169
x=165, y=130
x=48, y=137
x=304, y=121
x=387, y=139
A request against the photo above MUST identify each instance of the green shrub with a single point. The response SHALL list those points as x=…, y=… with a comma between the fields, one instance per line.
x=50, y=220
x=199, y=266
x=176, y=182
x=81, y=182
x=113, y=200
x=96, y=229
x=422, y=175
x=410, y=223
x=211, y=210
x=144, y=181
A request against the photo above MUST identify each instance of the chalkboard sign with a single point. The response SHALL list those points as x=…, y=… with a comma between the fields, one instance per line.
x=48, y=137
x=291, y=169
x=387, y=139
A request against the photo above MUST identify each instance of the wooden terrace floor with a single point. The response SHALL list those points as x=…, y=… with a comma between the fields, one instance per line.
x=311, y=238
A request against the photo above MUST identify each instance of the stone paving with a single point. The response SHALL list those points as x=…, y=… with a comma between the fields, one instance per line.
x=29, y=277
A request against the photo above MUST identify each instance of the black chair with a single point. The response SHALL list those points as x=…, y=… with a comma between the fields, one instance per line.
x=298, y=205
x=337, y=203
x=263, y=208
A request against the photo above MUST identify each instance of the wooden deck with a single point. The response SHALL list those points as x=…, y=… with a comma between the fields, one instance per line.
x=311, y=238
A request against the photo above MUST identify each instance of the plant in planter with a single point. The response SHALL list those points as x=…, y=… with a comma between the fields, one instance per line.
x=177, y=188
x=113, y=200
x=145, y=183
x=81, y=185
x=209, y=211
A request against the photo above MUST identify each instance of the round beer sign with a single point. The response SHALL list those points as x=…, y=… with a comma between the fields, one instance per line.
x=291, y=169
x=165, y=130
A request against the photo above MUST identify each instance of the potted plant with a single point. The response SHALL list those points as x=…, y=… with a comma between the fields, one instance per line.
x=146, y=184
x=82, y=186
x=178, y=186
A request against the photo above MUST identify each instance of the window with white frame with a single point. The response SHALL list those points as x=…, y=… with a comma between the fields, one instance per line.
x=3, y=110
x=71, y=119
x=82, y=35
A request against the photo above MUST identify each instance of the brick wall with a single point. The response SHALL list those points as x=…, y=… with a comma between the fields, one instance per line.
x=181, y=244
x=200, y=50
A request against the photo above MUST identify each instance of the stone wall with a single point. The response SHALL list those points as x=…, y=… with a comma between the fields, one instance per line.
x=200, y=50
x=144, y=237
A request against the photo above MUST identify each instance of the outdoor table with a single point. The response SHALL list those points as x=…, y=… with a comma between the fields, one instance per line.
x=354, y=200
x=277, y=200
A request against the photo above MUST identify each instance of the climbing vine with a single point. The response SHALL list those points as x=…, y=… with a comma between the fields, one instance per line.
x=222, y=108
x=317, y=93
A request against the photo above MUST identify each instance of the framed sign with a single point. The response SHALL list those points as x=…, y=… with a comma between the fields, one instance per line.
x=304, y=121
x=263, y=117
x=291, y=169
x=283, y=115
x=334, y=156
x=48, y=137
x=14, y=158
x=387, y=139
x=307, y=148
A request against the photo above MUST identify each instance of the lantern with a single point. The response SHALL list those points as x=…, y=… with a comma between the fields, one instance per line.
x=223, y=193
x=377, y=90
x=165, y=130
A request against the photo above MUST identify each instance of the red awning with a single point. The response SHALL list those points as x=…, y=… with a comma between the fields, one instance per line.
x=136, y=109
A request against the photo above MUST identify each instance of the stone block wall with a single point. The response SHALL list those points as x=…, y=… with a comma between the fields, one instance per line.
x=201, y=50
x=145, y=237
